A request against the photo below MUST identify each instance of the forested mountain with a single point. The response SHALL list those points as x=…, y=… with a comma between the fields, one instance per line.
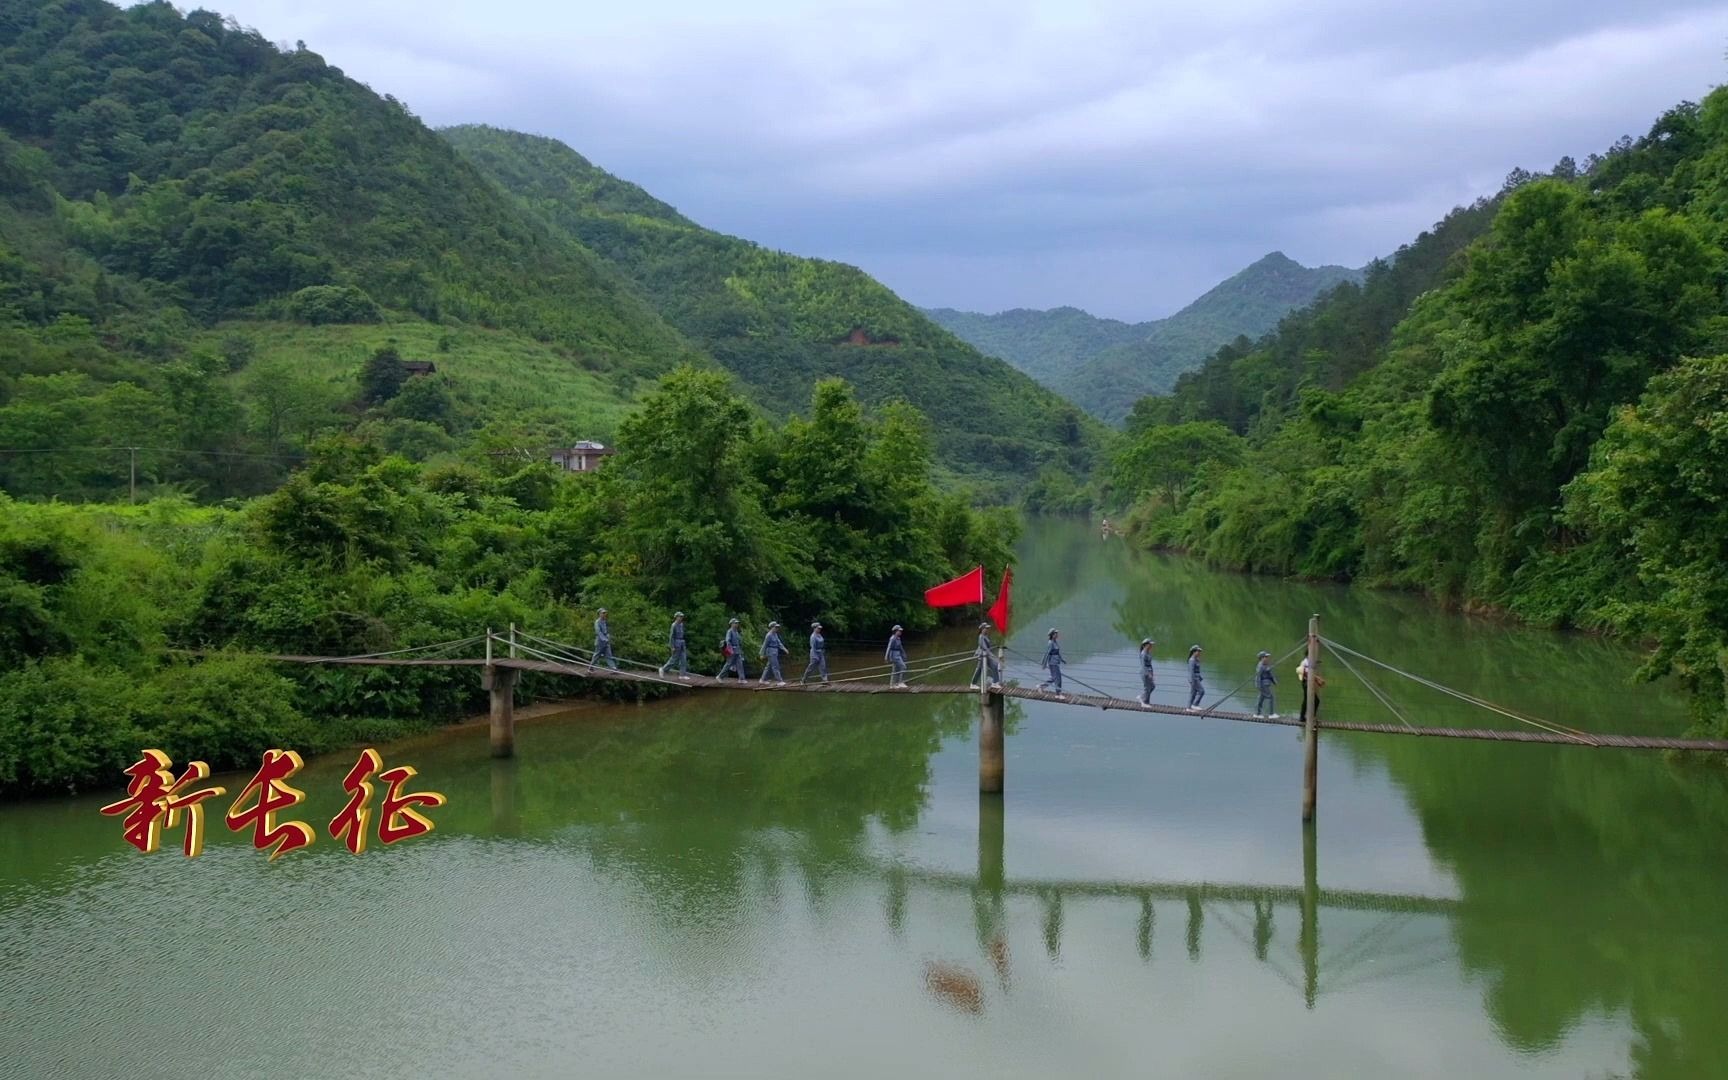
x=1105, y=365
x=203, y=237
x=1522, y=410
x=178, y=197
x=781, y=322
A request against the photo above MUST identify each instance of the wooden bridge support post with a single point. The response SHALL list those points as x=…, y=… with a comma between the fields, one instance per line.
x=1144, y=936
x=502, y=683
x=989, y=896
x=1311, y=724
x=1308, y=942
x=991, y=762
x=992, y=832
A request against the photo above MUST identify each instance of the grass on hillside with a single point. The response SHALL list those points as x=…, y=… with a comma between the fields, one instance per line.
x=503, y=376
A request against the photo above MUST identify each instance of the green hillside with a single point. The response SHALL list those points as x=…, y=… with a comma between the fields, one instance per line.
x=193, y=157
x=180, y=200
x=781, y=323
x=1523, y=411
x=1105, y=365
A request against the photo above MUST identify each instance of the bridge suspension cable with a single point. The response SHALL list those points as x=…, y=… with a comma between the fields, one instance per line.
x=1544, y=725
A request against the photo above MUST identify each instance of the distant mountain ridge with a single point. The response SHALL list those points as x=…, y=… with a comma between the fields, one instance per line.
x=1105, y=365
x=782, y=322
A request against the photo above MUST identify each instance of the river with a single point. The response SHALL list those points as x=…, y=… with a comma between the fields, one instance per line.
x=784, y=886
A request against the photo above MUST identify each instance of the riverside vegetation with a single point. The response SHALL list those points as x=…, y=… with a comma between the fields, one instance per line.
x=1525, y=410
x=123, y=626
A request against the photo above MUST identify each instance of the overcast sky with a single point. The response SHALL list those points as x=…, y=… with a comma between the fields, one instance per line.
x=1118, y=155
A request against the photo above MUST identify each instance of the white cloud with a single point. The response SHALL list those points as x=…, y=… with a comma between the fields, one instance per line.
x=1018, y=135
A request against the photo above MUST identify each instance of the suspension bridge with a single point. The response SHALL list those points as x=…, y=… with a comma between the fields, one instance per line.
x=503, y=657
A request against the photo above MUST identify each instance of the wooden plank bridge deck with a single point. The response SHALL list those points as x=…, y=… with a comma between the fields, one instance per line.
x=1095, y=701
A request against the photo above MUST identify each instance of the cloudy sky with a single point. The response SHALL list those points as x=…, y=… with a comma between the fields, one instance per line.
x=1118, y=155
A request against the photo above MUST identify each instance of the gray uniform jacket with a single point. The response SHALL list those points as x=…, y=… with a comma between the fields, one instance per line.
x=772, y=647
x=602, y=633
x=818, y=646
x=1053, y=655
x=676, y=637
x=735, y=639
x=896, y=648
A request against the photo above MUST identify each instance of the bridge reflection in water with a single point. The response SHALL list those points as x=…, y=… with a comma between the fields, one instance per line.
x=1248, y=913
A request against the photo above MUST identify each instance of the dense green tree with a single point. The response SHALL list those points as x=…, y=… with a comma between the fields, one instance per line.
x=1442, y=426
x=1657, y=491
x=681, y=514
x=1165, y=458
x=381, y=376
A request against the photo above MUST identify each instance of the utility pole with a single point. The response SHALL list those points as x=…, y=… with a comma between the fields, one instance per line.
x=132, y=490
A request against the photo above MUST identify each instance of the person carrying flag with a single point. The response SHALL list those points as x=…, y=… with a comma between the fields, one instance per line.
x=986, y=659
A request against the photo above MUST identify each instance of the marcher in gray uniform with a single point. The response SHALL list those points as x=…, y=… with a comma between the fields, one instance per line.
x=1053, y=661
x=896, y=657
x=772, y=648
x=733, y=645
x=1148, y=681
x=986, y=659
x=680, y=655
x=1266, y=680
x=603, y=643
x=818, y=654
x=1196, y=684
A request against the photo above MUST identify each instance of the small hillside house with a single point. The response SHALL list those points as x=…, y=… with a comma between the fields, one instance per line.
x=412, y=368
x=585, y=456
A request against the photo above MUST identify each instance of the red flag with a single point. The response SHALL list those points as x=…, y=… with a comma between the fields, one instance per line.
x=999, y=610
x=968, y=588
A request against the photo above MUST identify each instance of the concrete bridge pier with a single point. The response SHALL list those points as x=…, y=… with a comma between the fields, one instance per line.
x=991, y=762
x=501, y=681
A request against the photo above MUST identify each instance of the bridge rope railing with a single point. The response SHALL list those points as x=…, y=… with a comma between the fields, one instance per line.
x=418, y=652
x=1574, y=734
x=574, y=656
x=1206, y=712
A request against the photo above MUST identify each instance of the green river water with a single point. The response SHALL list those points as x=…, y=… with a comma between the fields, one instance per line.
x=783, y=886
